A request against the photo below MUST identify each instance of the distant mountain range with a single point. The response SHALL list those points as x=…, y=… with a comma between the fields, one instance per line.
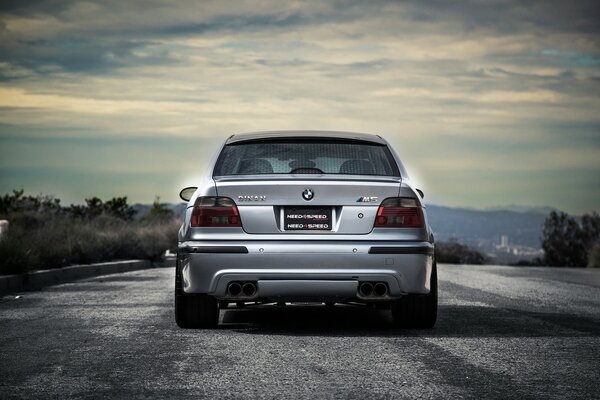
x=523, y=209
x=522, y=225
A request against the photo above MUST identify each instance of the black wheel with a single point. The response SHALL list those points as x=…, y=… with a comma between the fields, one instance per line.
x=417, y=311
x=193, y=310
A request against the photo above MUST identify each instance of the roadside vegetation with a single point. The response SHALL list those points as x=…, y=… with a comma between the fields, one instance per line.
x=452, y=252
x=43, y=234
x=567, y=242
x=571, y=242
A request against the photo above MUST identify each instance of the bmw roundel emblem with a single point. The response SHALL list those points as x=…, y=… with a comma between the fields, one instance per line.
x=308, y=194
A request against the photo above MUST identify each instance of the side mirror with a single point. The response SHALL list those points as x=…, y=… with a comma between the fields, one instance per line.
x=420, y=193
x=187, y=193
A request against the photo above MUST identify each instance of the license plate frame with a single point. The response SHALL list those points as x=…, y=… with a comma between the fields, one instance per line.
x=307, y=218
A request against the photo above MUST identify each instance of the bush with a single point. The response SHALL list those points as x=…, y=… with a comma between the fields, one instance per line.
x=41, y=237
x=567, y=242
x=594, y=256
x=455, y=253
x=159, y=211
x=94, y=207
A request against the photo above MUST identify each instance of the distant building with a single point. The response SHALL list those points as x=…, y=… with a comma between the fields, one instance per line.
x=506, y=251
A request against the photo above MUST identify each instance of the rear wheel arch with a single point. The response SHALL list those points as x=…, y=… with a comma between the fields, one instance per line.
x=418, y=311
x=193, y=310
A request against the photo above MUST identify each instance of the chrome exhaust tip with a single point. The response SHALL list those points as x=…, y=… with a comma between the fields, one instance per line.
x=234, y=289
x=249, y=289
x=365, y=289
x=380, y=289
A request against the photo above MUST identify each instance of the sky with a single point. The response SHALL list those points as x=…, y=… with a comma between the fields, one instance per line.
x=489, y=103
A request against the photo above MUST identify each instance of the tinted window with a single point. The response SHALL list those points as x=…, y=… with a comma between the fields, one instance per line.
x=306, y=157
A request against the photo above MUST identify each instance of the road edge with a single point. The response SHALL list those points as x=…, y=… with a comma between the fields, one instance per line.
x=36, y=280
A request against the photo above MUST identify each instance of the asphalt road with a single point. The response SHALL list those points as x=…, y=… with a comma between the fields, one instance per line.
x=502, y=332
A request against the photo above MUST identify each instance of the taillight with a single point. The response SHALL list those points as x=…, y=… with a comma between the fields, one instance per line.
x=399, y=212
x=215, y=212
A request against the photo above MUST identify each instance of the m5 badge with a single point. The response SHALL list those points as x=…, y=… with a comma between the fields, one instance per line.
x=367, y=199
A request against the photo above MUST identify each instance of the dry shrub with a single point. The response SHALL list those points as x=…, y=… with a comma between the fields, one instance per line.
x=36, y=241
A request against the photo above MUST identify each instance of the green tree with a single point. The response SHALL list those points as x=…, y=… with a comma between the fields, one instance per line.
x=566, y=242
x=594, y=256
x=17, y=202
x=94, y=207
x=590, y=227
x=159, y=211
x=118, y=207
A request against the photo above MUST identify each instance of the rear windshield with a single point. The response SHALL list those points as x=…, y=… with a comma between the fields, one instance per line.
x=306, y=157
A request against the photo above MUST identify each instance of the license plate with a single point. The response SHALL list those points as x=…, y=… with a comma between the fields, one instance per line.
x=307, y=218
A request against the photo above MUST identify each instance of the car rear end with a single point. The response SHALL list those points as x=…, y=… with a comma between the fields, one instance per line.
x=306, y=216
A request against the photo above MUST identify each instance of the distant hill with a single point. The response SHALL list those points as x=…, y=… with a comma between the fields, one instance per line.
x=473, y=226
x=523, y=209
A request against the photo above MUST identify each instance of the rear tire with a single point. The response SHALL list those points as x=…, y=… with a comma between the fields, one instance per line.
x=418, y=311
x=193, y=310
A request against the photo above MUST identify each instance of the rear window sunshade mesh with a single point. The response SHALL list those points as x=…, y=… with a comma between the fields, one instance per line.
x=306, y=157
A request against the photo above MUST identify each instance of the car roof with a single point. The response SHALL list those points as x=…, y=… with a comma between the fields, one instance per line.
x=251, y=136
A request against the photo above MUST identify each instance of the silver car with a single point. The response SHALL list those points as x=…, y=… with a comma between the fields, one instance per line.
x=305, y=216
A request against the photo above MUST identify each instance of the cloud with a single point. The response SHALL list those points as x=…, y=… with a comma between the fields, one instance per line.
x=457, y=87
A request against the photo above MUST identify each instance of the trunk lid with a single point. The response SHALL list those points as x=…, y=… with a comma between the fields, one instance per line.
x=276, y=205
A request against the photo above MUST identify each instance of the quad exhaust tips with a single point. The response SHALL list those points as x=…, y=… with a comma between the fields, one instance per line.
x=241, y=289
x=373, y=289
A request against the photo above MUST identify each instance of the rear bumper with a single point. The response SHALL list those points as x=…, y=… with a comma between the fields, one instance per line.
x=306, y=271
